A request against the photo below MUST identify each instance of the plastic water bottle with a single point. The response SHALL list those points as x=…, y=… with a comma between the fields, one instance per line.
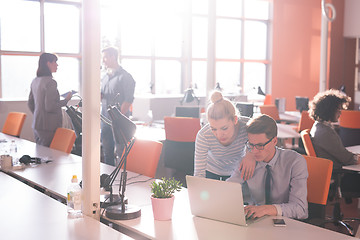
x=13, y=148
x=13, y=152
x=74, y=198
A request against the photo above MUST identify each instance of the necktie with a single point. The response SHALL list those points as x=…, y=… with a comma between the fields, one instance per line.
x=267, y=185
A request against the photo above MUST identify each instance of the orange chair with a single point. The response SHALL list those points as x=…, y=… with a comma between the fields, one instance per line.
x=349, y=127
x=270, y=110
x=179, y=146
x=305, y=122
x=318, y=185
x=309, y=148
x=14, y=123
x=144, y=156
x=337, y=217
x=63, y=140
x=267, y=100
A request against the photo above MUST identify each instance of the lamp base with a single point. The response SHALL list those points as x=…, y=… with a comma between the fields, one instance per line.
x=105, y=200
x=116, y=212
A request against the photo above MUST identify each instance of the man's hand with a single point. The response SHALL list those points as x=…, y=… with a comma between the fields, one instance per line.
x=252, y=211
x=247, y=166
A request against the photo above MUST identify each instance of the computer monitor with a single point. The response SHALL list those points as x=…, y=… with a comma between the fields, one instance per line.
x=193, y=112
x=302, y=103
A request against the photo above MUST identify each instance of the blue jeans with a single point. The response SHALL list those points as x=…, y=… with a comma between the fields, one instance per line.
x=215, y=176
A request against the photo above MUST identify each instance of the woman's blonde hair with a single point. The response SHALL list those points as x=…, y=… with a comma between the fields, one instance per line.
x=220, y=107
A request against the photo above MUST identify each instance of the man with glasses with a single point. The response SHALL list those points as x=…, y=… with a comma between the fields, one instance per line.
x=279, y=184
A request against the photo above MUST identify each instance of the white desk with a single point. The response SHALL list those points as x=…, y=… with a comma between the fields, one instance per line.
x=356, y=167
x=55, y=176
x=28, y=214
x=154, y=132
x=354, y=149
x=287, y=131
x=291, y=116
x=186, y=226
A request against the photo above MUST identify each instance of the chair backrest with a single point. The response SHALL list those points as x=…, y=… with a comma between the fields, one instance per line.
x=144, y=156
x=245, y=109
x=63, y=140
x=181, y=129
x=349, y=119
x=349, y=127
x=267, y=100
x=318, y=183
x=14, y=123
x=179, y=146
x=270, y=110
x=305, y=122
x=193, y=112
x=306, y=138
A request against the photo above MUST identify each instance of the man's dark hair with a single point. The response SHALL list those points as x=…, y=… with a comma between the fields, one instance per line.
x=262, y=124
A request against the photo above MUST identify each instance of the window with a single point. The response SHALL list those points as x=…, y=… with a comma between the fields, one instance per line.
x=41, y=28
x=167, y=44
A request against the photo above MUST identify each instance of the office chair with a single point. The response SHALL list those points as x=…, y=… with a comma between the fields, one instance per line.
x=302, y=103
x=270, y=110
x=245, y=109
x=182, y=111
x=305, y=122
x=14, y=123
x=318, y=184
x=309, y=148
x=337, y=217
x=267, y=100
x=179, y=146
x=63, y=140
x=144, y=156
x=349, y=127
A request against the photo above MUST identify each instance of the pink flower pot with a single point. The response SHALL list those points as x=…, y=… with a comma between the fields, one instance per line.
x=162, y=208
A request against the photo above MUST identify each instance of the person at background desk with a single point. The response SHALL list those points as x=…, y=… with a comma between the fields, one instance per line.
x=117, y=88
x=44, y=100
x=278, y=186
x=325, y=109
x=220, y=144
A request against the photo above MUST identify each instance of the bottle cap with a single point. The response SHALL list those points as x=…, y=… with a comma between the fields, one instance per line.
x=74, y=179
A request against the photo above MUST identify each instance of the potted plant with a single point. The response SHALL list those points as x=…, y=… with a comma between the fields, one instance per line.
x=162, y=198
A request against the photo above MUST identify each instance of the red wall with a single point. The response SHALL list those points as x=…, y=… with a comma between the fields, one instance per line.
x=296, y=49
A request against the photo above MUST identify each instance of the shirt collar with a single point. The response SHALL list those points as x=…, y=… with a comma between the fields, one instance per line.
x=272, y=162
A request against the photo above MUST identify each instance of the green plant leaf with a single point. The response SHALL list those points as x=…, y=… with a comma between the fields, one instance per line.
x=165, y=188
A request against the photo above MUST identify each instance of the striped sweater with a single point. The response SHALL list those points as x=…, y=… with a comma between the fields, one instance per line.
x=212, y=156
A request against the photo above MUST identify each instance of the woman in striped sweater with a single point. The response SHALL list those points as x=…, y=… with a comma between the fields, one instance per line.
x=220, y=144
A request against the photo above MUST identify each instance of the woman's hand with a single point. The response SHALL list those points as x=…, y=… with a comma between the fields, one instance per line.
x=68, y=96
x=247, y=166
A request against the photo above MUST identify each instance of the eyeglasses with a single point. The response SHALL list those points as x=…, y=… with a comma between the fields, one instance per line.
x=251, y=146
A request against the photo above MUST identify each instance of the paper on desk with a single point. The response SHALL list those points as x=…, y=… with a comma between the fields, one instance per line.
x=65, y=94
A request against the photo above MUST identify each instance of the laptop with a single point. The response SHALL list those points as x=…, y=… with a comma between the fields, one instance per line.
x=217, y=200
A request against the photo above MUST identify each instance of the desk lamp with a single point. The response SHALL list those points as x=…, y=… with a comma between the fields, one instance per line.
x=189, y=96
x=260, y=91
x=123, y=130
